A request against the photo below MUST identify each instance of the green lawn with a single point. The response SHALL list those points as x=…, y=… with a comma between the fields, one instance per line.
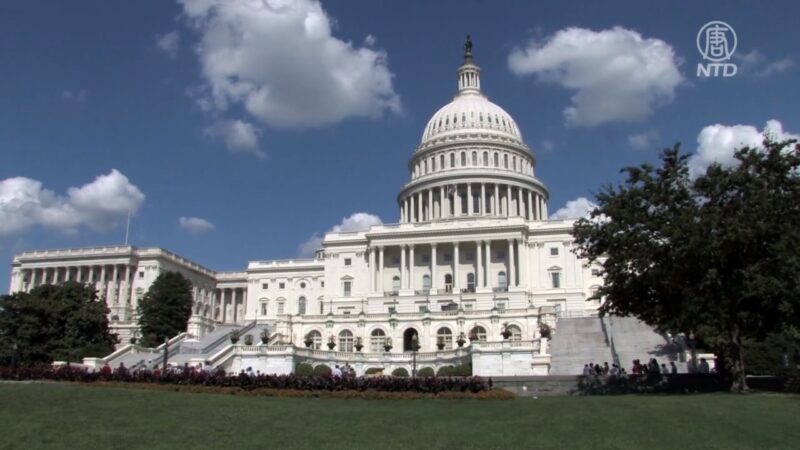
x=78, y=417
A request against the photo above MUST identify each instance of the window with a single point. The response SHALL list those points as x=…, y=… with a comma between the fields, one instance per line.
x=322, y=283
x=433, y=163
x=281, y=306
x=396, y=259
x=395, y=283
x=496, y=160
x=426, y=282
x=281, y=285
x=264, y=308
x=448, y=257
x=377, y=340
x=553, y=251
x=505, y=161
x=468, y=306
x=441, y=161
x=501, y=255
x=514, y=161
x=470, y=257
x=444, y=336
x=501, y=306
x=348, y=261
x=316, y=340
x=347, y=286
x=452, y=160
x=426, y=259
x=516, y=333
x=502, y=280
x=448, y=283
x=474, y=158
x=485, y=158
x=301, y=306
x=141, y=274
x=321, y=307
x=595, y=272
x=302, y=285
x=555, y=277
x=264, y=285
x=470, y=282
x=345, y=341
x=479, y=333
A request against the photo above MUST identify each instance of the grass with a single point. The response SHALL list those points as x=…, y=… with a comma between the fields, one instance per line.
x=73, y=416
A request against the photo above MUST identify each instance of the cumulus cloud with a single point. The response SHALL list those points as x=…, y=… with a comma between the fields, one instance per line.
x=74, y=96
x=617, y=75
x=717, y=143
x=643, y=141
x=100, y=205
x=581, y=207
x=359, y=221
x=195, y=225
x=239, y=136
x=279, y=60
x=169, y=43
x=547, y=145
x=756, y=64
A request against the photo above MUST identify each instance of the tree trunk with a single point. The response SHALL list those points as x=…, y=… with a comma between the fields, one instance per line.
x=737, y=362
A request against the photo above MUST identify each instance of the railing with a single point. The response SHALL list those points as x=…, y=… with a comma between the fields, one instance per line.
x=500, y=289
x=609, y=334
x=577, y=314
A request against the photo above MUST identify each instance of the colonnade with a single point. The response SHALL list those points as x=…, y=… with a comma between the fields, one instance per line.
x=480, y=271
x=472, y=199
x=229, y=304
x=112, y=281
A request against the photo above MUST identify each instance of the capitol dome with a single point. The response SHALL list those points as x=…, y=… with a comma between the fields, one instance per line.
x=471, y=112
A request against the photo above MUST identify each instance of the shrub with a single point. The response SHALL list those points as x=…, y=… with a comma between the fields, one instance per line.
x=400, y=372
x=373, y=370
x=248, y=339
x=462, y=370
x=425, y=372
x=304, y=370
x=322, y=370
x=445, y=371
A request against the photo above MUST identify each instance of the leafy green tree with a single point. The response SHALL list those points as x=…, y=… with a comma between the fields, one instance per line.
x=53, y=322
x=715, y=257
x=165, y=309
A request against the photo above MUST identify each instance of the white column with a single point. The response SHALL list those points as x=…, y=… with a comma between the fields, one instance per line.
x=544, y=209
x=223, y=306
x=411, y=208
x=508, y=200
x=489, y=264
x=433, y=268
x=539, y=203
x=420, y=218
x=470, y=206
x=496, y=206
x=115, y=280
x=102, y=288
x=67, y=273
x=530, y=205
x=79, y=275
x=483, y=199
x=520, y=210
x=411, y=267
x=402, y=211
x=402, y=266
x=380, y=269
x=431, y=215
x=456, y=284
x=523, y=262
x=371, y=269
x=441, y=202
x=478, y=265
x=512, y=278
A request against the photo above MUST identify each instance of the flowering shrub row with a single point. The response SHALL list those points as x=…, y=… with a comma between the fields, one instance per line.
x=432, y=385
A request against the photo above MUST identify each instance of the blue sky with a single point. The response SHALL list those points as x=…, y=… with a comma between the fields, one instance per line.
x=273, y=125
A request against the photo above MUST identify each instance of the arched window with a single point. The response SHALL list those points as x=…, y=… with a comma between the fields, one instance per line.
x=514, y=160
x=395, y=283
x=441, y=161
x=301, y=306
x=463, y=159
x=426, y=282
x=426, y=166
x=452, y=160
x=502, y=280
x=516, y=333
x=474, y=158
x=345, y=341
x=478, y=332
x=433, y=163
x=505, y=161
x=444, y=336
x=264, y=307
x=448, y=283
x=496, y=160
x=316, y=339
x=377, y=339
x=485, y=158
x=470, y=282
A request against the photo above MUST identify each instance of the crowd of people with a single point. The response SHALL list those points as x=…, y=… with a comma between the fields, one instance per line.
x=638, y=368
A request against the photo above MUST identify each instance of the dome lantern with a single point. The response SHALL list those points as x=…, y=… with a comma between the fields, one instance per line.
x=469, y=75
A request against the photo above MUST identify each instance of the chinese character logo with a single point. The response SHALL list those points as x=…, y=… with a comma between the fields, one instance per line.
x=716, y=42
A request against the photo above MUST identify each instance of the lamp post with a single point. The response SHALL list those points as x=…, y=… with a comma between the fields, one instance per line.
x=166, y=351
x=414, y=349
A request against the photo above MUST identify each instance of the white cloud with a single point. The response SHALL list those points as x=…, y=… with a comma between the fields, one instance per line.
x=547, y=145
x=99, y=205
x=581, y=207
x=717, y=143
x=280, y=61
x=169, y=43
x=618, y=75
x=195, y=225
x=756, y=64
x=359, y=221
x=74, y=96
x=239, y=136
x=644, y=141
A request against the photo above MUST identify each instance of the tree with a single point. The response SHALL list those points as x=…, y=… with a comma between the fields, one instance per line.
x=165, y=309
x=715, y=257
x=53, y=322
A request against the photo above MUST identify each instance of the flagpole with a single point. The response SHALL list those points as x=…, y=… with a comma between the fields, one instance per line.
x=127, y=227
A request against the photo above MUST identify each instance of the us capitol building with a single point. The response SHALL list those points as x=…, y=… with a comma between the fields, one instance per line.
x=473, y=255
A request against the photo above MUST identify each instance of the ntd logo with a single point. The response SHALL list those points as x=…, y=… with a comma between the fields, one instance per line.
x=716, y=42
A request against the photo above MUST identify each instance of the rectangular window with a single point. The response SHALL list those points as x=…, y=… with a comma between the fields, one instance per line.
x=501, y=306
x=426, y=259
x=141, y=274
x=448, y=257
x=556, y=278
x=263, y=309
x=501, y=255
x=595, y=272
x=468, y=306
x=553, y=251
x=264, y=285
x=347, y=287
x=321, y=284
x=282, y=285
x=470, y=257
x=392, y=310
x=348, y=261
x=280, y=307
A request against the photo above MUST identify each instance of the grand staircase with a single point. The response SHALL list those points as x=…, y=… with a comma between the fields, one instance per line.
x=578, y=341
x=634, y=339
